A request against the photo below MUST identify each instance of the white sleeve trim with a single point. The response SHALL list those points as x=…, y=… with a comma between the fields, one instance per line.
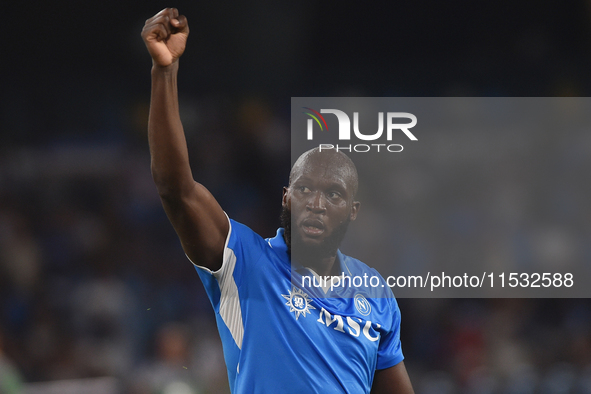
x=230, y=310
x=224, y=255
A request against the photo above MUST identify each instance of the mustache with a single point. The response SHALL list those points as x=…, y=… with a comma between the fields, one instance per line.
x=329, y=246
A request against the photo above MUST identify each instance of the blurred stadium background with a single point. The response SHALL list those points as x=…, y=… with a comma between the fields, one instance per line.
x=96, y=295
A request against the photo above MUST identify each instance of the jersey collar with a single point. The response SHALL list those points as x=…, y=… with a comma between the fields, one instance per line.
x=278, y=244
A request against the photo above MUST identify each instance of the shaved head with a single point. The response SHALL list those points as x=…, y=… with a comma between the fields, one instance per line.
x=332, y=161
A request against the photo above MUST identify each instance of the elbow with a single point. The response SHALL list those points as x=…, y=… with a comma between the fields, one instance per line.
x=171, y=187
x=167, y=193
x=166, y=185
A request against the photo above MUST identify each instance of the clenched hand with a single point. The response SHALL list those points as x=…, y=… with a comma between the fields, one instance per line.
x=165, y=35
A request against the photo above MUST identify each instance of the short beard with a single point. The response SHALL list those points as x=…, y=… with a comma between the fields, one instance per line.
x=306, y=252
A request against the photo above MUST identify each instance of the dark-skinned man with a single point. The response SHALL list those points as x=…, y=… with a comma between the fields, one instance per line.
x=278, y=335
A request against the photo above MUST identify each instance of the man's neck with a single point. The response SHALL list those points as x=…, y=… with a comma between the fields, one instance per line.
x=327, y=266
x=323, y=266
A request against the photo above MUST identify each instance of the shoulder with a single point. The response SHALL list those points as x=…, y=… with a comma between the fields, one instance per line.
x=246, y=244
x=242, y=235
x=374, y=284
x=353, y=266
x=242, y=246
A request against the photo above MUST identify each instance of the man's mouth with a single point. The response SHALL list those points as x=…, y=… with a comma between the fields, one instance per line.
x=313, y=227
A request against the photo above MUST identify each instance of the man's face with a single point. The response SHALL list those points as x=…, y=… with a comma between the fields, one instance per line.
x=320, y=200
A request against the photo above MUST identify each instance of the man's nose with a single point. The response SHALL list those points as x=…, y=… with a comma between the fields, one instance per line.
x=317, y=203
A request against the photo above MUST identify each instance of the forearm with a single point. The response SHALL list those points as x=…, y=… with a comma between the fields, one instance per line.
x=168, y=147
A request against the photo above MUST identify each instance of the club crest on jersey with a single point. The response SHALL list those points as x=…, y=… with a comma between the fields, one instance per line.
x=363, y=306
x=298, y=302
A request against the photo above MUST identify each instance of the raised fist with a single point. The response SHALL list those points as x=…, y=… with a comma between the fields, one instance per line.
x=165, y=35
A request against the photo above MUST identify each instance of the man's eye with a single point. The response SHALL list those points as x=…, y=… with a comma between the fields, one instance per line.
x=304, y=189
x=333, y=195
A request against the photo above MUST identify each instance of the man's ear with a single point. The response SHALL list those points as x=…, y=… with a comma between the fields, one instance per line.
x=284, y=198
x=355, y=210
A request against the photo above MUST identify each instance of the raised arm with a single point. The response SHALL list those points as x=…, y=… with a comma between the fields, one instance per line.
x=194, y=213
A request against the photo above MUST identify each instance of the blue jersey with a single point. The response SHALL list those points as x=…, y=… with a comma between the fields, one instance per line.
x=281, y=337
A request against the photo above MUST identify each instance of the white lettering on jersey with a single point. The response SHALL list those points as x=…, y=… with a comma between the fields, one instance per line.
x=366, y=331
x=354, y=325
x=330, y=320
x=353, y=328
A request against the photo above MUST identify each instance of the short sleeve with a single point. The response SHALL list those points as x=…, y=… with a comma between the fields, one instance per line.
x=390, y=349
x=242, y=247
